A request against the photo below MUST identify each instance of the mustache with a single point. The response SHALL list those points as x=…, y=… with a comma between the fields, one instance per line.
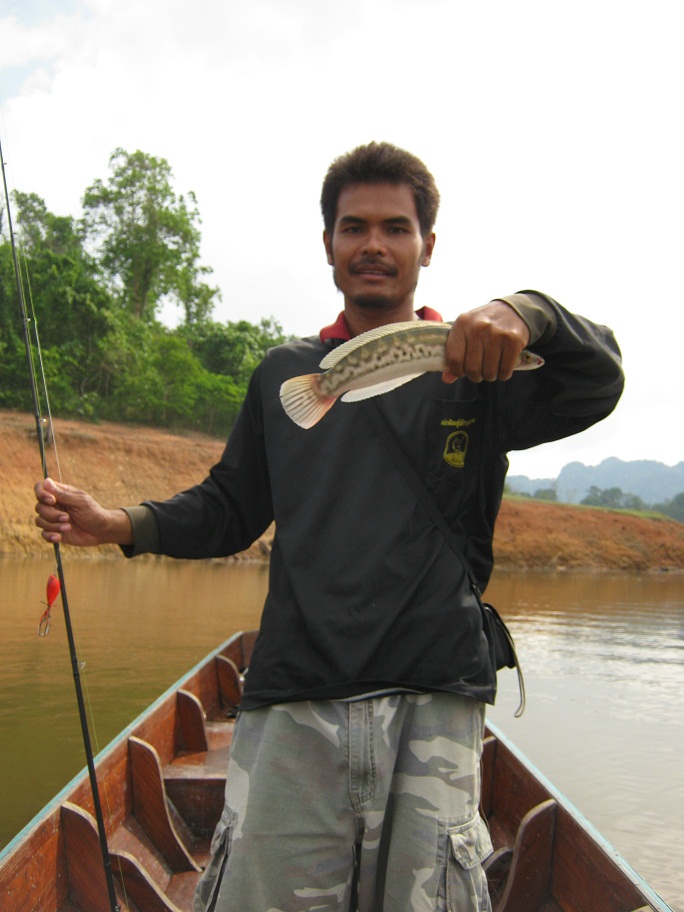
x=373, y=263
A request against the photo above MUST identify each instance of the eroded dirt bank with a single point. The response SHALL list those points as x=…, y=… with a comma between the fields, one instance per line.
x=122, y=465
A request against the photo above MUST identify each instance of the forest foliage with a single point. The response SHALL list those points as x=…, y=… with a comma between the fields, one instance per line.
x=94, y=288
x=615, y=499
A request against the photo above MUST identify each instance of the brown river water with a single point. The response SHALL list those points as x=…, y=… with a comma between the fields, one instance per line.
x=603, y=657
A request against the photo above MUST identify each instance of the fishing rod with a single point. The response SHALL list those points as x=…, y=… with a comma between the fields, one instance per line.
x=75, y=665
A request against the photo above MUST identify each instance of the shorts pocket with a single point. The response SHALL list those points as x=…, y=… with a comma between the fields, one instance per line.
x=207, y=890
x=466, y=883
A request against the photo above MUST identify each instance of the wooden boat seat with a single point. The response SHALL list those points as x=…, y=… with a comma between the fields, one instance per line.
x=87, y=885
x=137, y=889
x=519, y=870
x=198, y=734
x=526, y=866
x=195, y=778
x=155, y=855
x=154, y=812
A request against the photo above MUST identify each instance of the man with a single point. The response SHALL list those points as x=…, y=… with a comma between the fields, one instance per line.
x=354, y=774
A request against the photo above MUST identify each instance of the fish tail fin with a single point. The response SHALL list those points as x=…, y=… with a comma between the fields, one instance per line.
x=303, y=401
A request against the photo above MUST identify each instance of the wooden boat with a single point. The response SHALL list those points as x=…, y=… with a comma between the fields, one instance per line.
x=161, y=786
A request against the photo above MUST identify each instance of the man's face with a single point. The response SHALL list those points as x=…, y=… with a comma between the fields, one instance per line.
x=376, y=247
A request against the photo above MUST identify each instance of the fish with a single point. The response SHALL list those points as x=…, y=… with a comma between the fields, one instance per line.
x=371, y=364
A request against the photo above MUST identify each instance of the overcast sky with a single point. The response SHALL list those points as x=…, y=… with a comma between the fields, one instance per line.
x=554, y=131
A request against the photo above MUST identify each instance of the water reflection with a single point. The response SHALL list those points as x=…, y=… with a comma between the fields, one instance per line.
x=603, y=659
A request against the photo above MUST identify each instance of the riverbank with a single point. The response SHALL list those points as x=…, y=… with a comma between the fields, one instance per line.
x=124, y=465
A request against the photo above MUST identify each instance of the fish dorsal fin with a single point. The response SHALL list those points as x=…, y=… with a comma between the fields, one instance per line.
x=336, y=355
x=377, y=389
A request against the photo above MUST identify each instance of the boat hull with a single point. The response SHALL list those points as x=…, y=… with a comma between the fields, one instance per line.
x=161, y=787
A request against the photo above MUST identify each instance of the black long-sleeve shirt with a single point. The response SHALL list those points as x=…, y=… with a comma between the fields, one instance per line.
x=365, y=595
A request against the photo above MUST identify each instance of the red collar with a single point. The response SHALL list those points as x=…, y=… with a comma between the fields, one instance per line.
x=340, y=330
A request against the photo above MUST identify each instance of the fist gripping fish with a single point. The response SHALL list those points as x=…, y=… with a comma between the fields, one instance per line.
x=373, y=363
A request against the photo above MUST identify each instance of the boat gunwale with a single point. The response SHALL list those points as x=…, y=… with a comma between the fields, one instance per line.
x=47, y=810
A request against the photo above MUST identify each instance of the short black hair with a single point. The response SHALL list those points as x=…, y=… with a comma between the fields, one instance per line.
x=375, y=163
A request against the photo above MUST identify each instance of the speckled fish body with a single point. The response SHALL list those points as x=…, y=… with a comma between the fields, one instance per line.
x=370, y=364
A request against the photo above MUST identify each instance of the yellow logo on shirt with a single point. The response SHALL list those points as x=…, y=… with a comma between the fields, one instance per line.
x=455, y=449
x=456, y=445
x=457, y=422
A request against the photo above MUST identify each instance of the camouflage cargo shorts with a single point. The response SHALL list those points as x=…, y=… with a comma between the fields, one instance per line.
x=369, y=805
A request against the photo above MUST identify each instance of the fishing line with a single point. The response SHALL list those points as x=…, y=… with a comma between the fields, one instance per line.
x=75, y=665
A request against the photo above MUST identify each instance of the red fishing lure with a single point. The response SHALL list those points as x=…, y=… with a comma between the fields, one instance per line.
x=52, y=590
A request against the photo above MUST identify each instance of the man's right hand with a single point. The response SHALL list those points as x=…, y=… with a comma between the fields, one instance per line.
x=73, y=517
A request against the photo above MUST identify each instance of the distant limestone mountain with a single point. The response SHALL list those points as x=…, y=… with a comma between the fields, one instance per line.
x=654, y=482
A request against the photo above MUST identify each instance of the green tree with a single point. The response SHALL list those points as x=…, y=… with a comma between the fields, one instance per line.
x=149, y=374
x=219, y=400
x=233, y=349
x=40, y=229
x=61, y=282
x=63, y=300
x=9, y=305
x=673, y=507
x=126, y=381
x=14, y=389
x=603, y=497
x=181, y=375
x=10, y=322
x=103, y=353
x=545, y=494
x=632, y=502
x=145, y=238
x=612, y=498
